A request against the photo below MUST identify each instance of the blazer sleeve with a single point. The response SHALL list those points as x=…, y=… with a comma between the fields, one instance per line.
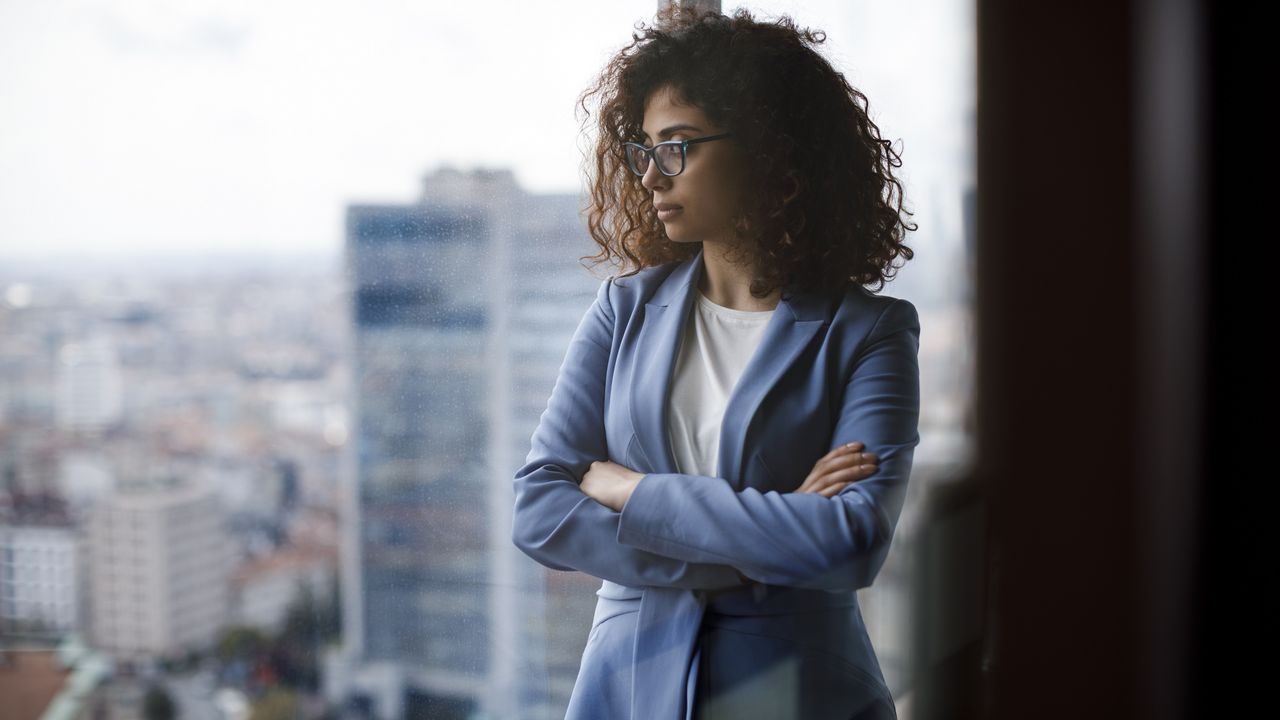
x=557, y=524
x=803, y=539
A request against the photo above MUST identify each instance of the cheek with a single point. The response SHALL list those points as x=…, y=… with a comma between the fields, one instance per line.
x=716, y=197
x=729, y=196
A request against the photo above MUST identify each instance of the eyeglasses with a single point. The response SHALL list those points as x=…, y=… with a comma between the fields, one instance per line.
x=670, y=154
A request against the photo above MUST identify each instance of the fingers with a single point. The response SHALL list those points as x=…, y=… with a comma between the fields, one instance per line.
x=838, y=468
x=836, y=479
x=845, y=449
x=845, y=454
x=834, y=484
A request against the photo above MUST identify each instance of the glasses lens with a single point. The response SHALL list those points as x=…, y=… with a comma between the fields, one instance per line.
x=637, y=158
x=669, y=159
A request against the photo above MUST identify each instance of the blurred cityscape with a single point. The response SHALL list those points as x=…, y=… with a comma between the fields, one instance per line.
x=282, y=489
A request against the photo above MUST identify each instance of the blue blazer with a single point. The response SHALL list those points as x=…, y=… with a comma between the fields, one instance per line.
x=741, y=552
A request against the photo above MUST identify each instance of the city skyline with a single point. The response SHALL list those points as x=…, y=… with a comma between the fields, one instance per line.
x=399, y=377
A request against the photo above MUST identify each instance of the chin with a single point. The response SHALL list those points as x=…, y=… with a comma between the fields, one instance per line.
x=677, y=237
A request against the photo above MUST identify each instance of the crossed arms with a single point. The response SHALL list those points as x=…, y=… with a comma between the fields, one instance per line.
x=697, y=532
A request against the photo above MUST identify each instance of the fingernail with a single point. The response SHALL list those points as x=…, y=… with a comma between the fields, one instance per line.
x=854, y=445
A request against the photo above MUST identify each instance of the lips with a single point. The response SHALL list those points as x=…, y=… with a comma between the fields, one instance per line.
x=667, y=211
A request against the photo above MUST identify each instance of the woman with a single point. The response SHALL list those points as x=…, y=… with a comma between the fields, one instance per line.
x=702, y=450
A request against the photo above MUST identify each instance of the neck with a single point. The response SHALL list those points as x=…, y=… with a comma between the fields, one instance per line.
x=728, y=284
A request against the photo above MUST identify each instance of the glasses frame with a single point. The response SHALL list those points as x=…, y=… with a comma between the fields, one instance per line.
x=652, y=158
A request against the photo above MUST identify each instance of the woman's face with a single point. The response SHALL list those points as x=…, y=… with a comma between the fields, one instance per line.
x=708, y=194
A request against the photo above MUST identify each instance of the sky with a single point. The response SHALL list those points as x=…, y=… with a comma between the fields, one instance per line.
x=188, y=126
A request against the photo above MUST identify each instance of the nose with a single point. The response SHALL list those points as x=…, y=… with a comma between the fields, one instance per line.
x=653, y=178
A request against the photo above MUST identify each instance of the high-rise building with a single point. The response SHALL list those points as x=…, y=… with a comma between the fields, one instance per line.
x=159, y=560
x=463, y=305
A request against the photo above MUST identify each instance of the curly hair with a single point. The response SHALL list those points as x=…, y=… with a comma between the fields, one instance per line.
x=828, y=210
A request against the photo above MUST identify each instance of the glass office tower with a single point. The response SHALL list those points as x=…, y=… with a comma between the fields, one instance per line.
x=462, y=306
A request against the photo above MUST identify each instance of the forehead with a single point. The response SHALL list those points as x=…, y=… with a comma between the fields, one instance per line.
x=665, y=108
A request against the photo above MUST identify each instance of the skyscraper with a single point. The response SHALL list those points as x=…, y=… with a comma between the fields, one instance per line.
x=462, y=306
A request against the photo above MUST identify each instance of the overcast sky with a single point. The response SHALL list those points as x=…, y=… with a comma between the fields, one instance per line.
x=164, y=125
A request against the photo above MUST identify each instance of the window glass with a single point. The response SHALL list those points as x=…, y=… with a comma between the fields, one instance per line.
x=284, y=288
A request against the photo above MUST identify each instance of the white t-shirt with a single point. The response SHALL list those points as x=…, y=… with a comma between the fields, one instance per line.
x=714, y=351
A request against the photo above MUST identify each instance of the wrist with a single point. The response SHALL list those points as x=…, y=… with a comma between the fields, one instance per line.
x=632, y=482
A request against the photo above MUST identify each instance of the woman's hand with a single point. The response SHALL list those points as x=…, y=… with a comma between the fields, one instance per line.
x=609, y=483
x=835, y=470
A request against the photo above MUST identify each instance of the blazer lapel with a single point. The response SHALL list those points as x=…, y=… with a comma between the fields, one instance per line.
x=794, y=324
x=655, y=350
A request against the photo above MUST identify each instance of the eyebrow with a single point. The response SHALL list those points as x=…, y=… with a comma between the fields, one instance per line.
x=667, y=132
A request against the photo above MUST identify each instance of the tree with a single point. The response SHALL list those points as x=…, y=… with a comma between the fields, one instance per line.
x=241, y=642
x=157, y=705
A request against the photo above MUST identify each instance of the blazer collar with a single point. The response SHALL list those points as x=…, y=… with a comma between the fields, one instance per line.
x=794, y=324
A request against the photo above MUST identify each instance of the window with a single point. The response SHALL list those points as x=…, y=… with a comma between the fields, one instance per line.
x=375, y=206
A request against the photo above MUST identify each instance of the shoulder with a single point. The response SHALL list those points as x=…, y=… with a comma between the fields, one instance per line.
x=862, y=317
x=626, y=293
x=863, y=307
x=869, y=325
